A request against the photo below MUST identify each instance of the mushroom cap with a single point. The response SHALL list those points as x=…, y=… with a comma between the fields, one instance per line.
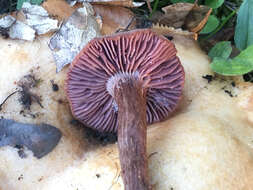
x=147, y=56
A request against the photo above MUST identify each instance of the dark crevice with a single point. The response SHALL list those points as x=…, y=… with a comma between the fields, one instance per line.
x=93, y=136
x=7, y=6
x=248, y=77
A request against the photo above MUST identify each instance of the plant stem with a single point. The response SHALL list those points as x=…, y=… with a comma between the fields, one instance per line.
x=154, y=8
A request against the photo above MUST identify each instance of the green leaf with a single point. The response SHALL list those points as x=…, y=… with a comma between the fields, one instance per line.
x=214, y=3
x=244, y=26
x=37, y=2
x=182, y=1
x=212, y=23
x=20, y=2
x=240, y=65
x=221, y=49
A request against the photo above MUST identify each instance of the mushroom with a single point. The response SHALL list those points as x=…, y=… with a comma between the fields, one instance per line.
x=121, y=83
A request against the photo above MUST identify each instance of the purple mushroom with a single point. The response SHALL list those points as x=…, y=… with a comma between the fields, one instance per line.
x=120, y=83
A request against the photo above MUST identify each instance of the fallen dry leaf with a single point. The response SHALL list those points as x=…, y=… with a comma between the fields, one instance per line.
x=38, y=18
x=197, y=18
x=174, y=15
x=114, y=18
x=60, y=9
x=29, y=21
x=73, y=35
x=123, y=3
x=16, y=29
x=170, y=31
x=183, y=15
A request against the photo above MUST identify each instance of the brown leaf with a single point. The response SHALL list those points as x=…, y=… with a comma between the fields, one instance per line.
x=183, y=15
x=197, y=18
x=123, y=3
x=174, y=15
x=170, y=31
x=60, y=9
x=114, y=18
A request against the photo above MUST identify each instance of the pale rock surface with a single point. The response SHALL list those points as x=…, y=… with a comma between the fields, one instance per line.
x=207, y=144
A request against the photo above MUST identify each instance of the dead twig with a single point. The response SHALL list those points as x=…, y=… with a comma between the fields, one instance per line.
x=7, y=99
x=149, y=6
x=127, y=27
x=153, y=153
x=116, y=176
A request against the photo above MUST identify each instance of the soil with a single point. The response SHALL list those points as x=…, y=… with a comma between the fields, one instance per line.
x=93, y=136
x=26, y=83
x=248, y=77
x=209, y=78
x=55, y=86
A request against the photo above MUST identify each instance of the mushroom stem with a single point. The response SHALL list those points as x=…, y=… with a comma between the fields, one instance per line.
x=132, y=133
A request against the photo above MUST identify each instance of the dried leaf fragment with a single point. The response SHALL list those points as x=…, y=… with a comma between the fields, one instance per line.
x=73, y=35
x=113, y=18
x=7, y=21
x=40, y=139
x=175, y=15
x=187, y=16
x=123, y=3
x=21, y=31
x=197, y=18
x=60, y=9
x=37, y=18
x=32, y=19
x=16, y=29
x=170, y=31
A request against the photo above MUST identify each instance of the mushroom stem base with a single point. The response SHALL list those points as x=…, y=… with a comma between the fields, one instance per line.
x=132, y=134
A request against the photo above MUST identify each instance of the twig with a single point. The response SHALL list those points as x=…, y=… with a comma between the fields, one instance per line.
x=130, y=22
x=7, y=99
x=127, y=27
x=149, y=6
x=153, y=153
x=116, y=176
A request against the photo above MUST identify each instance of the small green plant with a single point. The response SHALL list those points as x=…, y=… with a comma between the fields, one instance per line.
x=182, y=1
x=20, y=2
x=221, y=49
x=244, y=26
x=214, y=3
x=243, y=63
x=212, y=23
x=222, y=64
